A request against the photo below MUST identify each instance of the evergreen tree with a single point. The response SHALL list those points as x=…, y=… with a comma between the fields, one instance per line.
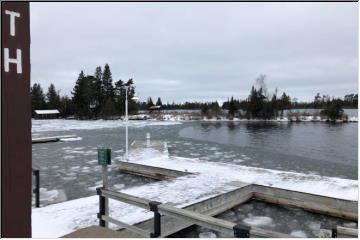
x=37, y=98
x=53, y=98
x=149, y=102
x=255, y=103
x=333, y=109
x=232, y=107
x=97, y=91
x=108, y=111
x=108, y=88
x=81, y=96
x=205, y=109
x=66, y=106
x=284, y=103
x=120, y=96
x=158, y=102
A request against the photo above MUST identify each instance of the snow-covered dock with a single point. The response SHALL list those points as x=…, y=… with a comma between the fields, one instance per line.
x=212, y=179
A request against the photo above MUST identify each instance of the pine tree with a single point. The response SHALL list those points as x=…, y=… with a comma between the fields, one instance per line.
x=53, y=98
x=205, y=109
x=333, y=109
x=108, y=111
x=66, y=106
x=158, y=102
x=107, y=83
x=97, y=89
x=232, y=107
x=37, y=98
x=120, y=96
x=81, y=96
x=149, y=102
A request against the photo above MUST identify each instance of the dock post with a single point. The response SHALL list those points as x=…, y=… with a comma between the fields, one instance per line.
x=241, y=231
x=36, y=173
x=101, y=207
x=157, y=219
x=327, y=231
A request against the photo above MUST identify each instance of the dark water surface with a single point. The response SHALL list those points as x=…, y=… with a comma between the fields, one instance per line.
x=317, y=148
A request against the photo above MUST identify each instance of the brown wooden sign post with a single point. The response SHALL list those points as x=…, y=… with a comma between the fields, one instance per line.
x=15, y=120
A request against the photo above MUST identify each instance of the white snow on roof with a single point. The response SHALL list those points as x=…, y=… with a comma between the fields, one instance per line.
x=51, y=111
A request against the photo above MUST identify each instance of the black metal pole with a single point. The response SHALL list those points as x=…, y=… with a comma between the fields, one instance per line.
x=334, y=233
x=36, y=173
x=101, y=208
x=157, y=219
x=241, y=231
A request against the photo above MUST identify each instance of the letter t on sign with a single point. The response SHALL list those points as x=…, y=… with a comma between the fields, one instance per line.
x=12, y=21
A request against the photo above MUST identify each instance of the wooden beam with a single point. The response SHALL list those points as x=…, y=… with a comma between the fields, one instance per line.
x=123, y=197
x=315, y=203
x=346, y=232
x=131, y=228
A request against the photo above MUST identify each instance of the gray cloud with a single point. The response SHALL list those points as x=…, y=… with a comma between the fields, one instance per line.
x=199, y=51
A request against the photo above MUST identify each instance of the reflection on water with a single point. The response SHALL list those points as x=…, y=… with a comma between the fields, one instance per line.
x=301, y=147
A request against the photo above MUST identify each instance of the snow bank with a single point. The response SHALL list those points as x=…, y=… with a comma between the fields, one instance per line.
x=66, y=125
x=212, y=179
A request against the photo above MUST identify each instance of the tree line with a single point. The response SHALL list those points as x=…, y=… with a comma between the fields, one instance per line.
x=93, y=96
x=96, y=96
x=260, y=104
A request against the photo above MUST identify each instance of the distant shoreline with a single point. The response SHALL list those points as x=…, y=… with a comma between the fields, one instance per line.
x=189, y=117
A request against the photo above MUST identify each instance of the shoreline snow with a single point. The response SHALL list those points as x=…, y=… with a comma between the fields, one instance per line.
x=211, y=179
x=167, y=119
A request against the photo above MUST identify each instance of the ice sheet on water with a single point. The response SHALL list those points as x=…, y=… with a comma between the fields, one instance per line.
x=258, y=221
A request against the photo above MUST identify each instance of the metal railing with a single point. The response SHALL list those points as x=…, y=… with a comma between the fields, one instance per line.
x=36, y=190
x=230, y=228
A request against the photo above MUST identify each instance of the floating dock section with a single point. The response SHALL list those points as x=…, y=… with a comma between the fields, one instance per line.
x=51, y=139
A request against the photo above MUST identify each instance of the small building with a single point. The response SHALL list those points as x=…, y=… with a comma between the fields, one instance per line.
x=47, y=114
x=154, y=108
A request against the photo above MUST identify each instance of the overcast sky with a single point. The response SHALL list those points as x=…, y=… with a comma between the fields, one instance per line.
x=199, y=51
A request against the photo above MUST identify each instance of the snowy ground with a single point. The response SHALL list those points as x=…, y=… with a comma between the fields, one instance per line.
x=212, y=179
x=66, y=125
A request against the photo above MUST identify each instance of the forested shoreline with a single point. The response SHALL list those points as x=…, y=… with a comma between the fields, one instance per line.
x=98, y=96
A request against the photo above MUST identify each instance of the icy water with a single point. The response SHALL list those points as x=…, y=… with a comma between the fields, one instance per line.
x=71, y=167
x=290, y=220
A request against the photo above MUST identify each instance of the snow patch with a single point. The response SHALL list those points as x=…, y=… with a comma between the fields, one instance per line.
x=70, y=139
x=298, y=233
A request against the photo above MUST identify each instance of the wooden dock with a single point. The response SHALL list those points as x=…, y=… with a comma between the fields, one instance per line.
x=51, y=139
x=174, y=219
x=216, y=205
x=150, y=171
